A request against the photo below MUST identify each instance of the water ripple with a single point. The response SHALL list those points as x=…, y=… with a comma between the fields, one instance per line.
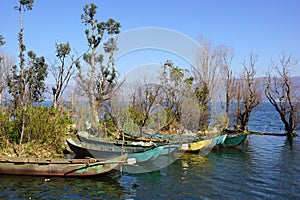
x=265, y=167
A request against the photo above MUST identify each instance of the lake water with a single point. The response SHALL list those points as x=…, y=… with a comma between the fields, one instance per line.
x=265, y=167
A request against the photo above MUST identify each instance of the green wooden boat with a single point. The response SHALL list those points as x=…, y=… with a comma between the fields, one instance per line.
x=82, y=149
x=218, y=140
x=232, y=141
x=162, y=138
x=170, y=148
x=115, y=145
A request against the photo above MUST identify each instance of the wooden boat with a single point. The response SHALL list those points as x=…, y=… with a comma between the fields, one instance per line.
x=232, y=141
x=162, y=139
x=187, y=138
x=204, y=144
x=170, y=148
x=59, y=167
x=116, y=145
x=129, y=136
x=219, y=140
x=149, y=155
x=197, y=146
x=82, y=149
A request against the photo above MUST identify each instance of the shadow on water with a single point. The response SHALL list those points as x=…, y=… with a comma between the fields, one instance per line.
x=26, y=187
x=265, y=167
x=273, y=170
x=145, y=167
x=289, y=168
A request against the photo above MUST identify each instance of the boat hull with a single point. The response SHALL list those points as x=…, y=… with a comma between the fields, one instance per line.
x=115, y=145
x=94, y=151
x=196, y=146
x=59, y=167
x=233, y=141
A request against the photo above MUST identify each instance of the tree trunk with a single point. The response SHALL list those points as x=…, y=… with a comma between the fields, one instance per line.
x=141, y=131
x=55, y=102
x=24, y=109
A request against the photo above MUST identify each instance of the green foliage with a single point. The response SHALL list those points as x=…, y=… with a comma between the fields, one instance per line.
x=26, y=82
x=108, y=124
x=177, y=84
x=2, y=42
x=62, y=50
x=203, y=100
x=137, y=114
x=36, y=75
x=45, y=126
x=95, y=35
x=142, y=106
x=27, y=85
x=25, y=4
x=63, y=72
x=99, y=81
x=4, y=126
x=202, y=95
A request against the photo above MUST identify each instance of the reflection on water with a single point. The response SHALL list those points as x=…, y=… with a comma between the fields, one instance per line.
x=265, y=167
x=26, y=187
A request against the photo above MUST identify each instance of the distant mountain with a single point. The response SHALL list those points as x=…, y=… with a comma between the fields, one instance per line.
x=70, y=89
x=295, y=85
x=296, y=81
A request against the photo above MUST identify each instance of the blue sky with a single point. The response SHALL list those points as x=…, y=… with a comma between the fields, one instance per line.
x=264, y=27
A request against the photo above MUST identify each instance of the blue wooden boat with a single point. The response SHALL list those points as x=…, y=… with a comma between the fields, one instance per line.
x=82, y=149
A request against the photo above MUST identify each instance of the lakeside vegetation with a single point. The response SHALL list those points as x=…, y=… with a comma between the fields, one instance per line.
x=182, y=102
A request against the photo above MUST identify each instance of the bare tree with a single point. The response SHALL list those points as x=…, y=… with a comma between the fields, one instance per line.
x=62, y=72
x=206, y=72
x=248, y=94
x=227, y=55
x=281, y=93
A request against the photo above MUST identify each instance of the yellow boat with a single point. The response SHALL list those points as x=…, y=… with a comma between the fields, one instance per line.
x=197, y=146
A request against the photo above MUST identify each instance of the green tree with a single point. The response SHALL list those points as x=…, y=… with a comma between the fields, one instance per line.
x=2, y=41
x=23, y=6
x=202, y=95
x=100, y=80
x=26, y=81
x=20, y=92
x=36, y=74
x=176, y=85
x=62, y=72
